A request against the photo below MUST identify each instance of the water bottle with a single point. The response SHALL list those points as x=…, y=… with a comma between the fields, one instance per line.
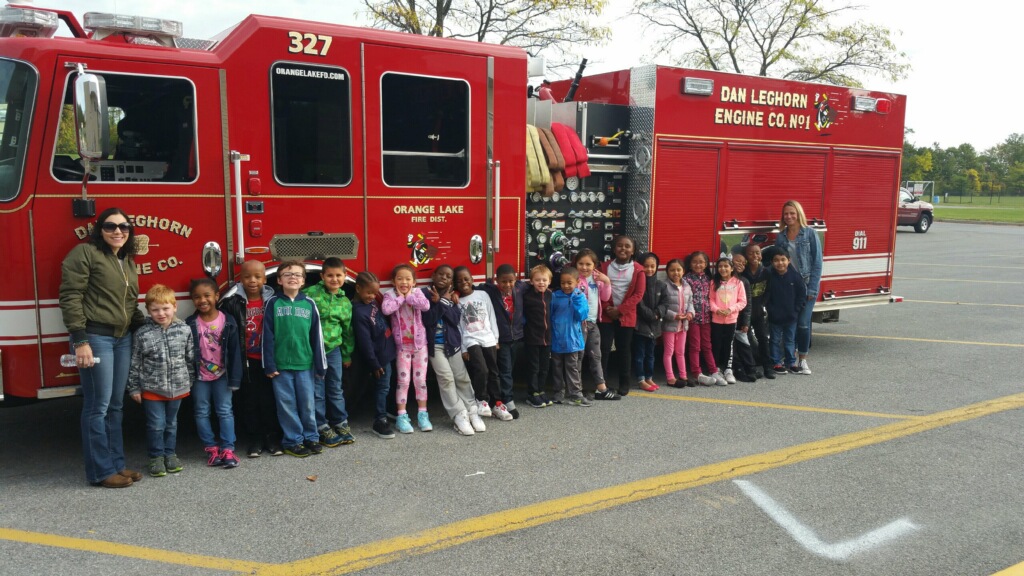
x=69, y=361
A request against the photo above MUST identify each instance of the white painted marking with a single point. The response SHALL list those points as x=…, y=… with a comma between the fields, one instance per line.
x=478, y=473
x=810, y=540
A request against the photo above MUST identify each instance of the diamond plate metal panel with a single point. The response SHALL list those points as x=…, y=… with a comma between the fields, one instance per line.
x=636, y=215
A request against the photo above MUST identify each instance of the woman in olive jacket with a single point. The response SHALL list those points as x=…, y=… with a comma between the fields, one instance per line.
x=99, y=292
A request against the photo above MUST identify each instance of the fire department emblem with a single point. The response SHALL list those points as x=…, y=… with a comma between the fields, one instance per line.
x=826, y=115
x=421, y=251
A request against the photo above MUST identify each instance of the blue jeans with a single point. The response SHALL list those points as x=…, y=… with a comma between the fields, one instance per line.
x=330, y=398
x=507, y=353
x=803, y=328
x=643, y=358
x=161, y=426
x=102, y=406
x=383, y=385
x=217, y=391
x=783, y=342
x=296, y=406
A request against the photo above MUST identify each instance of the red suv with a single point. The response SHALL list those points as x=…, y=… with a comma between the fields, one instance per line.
x=914, y=212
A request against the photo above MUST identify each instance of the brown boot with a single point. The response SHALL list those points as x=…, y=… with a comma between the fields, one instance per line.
x=131, y=474
x=116, y=481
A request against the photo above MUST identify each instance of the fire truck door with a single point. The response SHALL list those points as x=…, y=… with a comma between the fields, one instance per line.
x=427, y=141
x=164, y=170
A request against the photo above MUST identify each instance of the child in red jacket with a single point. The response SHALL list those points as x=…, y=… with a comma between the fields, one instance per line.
x=619, y=318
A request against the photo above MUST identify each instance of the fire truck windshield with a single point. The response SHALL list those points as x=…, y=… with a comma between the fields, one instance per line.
x=17, y=94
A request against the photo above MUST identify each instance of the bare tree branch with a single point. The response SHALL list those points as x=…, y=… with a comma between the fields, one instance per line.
x=799, y=39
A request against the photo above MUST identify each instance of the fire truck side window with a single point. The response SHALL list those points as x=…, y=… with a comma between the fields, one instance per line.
x=152, y=132
x=425, y=125
x=17, y=93
x=312, y=126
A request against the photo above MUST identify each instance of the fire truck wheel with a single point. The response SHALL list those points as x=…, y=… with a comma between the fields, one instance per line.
x=923, y=224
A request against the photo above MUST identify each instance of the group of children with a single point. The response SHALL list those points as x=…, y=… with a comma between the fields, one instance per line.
x=285, y=352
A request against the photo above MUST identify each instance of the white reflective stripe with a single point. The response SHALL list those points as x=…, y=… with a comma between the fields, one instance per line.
x=857, y=256
x=856, y=266
x=853, y=276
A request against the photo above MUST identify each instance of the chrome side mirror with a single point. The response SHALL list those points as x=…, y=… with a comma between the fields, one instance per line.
x=91, y=126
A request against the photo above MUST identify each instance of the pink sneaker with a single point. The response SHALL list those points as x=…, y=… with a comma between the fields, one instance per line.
x=215, y=458
x=228, y=458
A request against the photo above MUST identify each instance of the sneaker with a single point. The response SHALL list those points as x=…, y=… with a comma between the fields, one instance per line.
x=423, y=421
x=501, y=412
x=537, y=401
x=744, y=377
x=691, y=381
x=275, y=449
x=229, y=458
x=462, y=425
x=589, y=396
x=582, y=402
x=511, y=405
x=382, y=429
x=254, y=451
x=606, y=394
x=172, y=463
x=313, y=447
x=779, y=369
x=556, y=399
x=769, y=373
x=719, y=379
x=730, y=378
x=484, y=409
x=758, y=373
x=298, y=450
x=794, y=369
x=157, y=467
x=477, y=423
x=345, y=433
x=804, y=368
x=547, y=401
x=328, y=437
x=705, y=380
x=403, y=424
x=213, y=458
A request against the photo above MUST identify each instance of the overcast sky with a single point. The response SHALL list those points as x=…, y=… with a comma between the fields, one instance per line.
x=964, y=85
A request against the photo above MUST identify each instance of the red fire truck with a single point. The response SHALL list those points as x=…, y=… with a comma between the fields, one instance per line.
x=284, y=139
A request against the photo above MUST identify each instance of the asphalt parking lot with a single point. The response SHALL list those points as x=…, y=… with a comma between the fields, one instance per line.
x=900, y=455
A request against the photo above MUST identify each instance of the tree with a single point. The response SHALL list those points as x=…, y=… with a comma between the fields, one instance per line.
x=794, y=39
x=553, y=26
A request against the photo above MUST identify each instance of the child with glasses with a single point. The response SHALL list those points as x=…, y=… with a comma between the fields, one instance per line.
x=293, y=355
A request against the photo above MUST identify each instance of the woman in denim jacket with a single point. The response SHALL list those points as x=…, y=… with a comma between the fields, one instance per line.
x=801, y=243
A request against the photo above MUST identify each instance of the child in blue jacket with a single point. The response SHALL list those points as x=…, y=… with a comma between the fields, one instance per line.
x=569, y=309
x=375, y=345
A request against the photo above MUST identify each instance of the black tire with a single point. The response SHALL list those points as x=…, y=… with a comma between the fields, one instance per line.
x=923, y=224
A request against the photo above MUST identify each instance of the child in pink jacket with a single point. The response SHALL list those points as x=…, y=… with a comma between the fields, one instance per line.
x=405, y=305
x=728, y=299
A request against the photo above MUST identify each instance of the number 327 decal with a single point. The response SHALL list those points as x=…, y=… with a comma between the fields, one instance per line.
x=312, y=44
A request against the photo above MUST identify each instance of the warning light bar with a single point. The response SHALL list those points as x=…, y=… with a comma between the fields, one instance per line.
x=866, y=104
x=157, y=29
x=698, y=86
x=27, y=23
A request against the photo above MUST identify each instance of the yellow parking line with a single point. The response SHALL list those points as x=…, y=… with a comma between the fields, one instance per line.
x=777, y=406
x=965, y=303
x=1016, y=570
x=957, y=280
x=472, y=529
x=130, y=551
x=969, y=342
